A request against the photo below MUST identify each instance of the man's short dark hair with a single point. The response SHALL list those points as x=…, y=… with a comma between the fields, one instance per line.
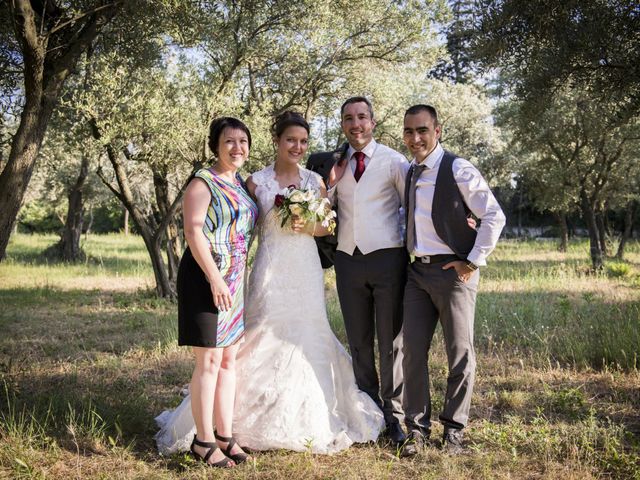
x=421, y=107
x=351, y=100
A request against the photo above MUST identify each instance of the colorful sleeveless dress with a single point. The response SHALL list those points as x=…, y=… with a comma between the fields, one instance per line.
x=231, y=218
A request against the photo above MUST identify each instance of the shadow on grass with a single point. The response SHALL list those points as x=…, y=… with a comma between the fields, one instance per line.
x=105, y=358
x=49, y=323
x=115, y=263
x=94, y=402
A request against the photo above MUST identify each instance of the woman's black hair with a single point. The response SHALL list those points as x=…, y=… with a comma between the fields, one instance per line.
x=218, y=126
x=288, y=119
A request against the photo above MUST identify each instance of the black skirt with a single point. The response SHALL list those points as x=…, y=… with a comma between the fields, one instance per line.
x=197, y=314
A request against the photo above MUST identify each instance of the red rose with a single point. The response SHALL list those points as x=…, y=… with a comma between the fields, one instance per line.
x=279, y=200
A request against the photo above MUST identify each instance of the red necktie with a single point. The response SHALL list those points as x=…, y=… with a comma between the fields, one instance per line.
x=359, y=165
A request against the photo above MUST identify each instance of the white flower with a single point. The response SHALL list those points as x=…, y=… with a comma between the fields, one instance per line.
x=314, y=206
x=309, y=195
x=297, y=196
x=296, y=209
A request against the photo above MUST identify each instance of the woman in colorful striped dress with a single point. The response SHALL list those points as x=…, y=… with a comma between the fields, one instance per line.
x=219, y=218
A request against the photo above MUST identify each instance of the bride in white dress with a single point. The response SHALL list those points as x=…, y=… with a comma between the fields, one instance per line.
x=295, y=384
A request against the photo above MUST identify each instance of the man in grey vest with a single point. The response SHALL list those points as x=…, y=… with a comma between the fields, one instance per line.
x=441, y=192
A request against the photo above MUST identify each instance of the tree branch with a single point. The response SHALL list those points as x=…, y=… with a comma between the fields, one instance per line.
x=101, y=176
x=159, y=234
x=80, y=16
x=28, y=33
x=85, y=37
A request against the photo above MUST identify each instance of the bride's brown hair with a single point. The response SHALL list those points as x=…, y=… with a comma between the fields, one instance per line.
x=287, y=119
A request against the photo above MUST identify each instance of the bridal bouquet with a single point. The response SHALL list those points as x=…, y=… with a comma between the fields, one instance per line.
x=305, y=203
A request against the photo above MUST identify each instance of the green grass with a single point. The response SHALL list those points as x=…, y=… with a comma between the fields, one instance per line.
x=549, y=306
x=88, y=357
x=113, y=261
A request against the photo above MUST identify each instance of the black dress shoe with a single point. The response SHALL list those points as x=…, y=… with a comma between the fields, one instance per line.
x=395, y=434
x=452, y=442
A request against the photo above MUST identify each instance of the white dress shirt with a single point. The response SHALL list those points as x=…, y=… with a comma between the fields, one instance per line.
x=369, y=211
x=477, y=196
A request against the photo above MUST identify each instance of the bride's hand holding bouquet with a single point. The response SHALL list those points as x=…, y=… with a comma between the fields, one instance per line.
x=302, y=208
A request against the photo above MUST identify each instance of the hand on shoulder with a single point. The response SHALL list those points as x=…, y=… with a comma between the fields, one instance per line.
x=337, y=172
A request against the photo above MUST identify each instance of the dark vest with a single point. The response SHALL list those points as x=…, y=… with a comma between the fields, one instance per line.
x=449, y=212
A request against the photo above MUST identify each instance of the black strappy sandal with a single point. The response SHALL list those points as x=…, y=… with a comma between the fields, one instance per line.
x=212, y=446
x=231, y=442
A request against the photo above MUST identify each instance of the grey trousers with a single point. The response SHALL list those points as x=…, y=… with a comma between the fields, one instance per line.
x=433, y=295
x=370, y=288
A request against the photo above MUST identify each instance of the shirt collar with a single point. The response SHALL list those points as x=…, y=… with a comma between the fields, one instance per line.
x=433, y=159
x=368, y=150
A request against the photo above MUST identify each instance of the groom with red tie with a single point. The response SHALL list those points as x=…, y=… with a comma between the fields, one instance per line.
x=367, y=185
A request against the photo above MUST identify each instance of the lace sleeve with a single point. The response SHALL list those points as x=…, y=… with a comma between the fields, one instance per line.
x=261, y=177
x=313, y=180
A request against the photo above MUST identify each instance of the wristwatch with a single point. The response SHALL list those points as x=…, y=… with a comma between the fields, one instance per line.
x=472, y=265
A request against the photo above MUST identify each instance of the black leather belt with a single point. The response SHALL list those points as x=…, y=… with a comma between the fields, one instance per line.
x=445, y=257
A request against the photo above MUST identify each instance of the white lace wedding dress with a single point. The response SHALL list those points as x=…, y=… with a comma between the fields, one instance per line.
x=296, y=389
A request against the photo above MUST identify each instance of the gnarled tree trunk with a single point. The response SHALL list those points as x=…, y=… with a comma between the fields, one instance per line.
x=561, y=218
x=49, y=58
x=161, y=186
x=174, y=251
x=16, y=175
x=151, y=233
x=602, y=232
x=589, y=214
x=69, y=245
x=628, y=227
